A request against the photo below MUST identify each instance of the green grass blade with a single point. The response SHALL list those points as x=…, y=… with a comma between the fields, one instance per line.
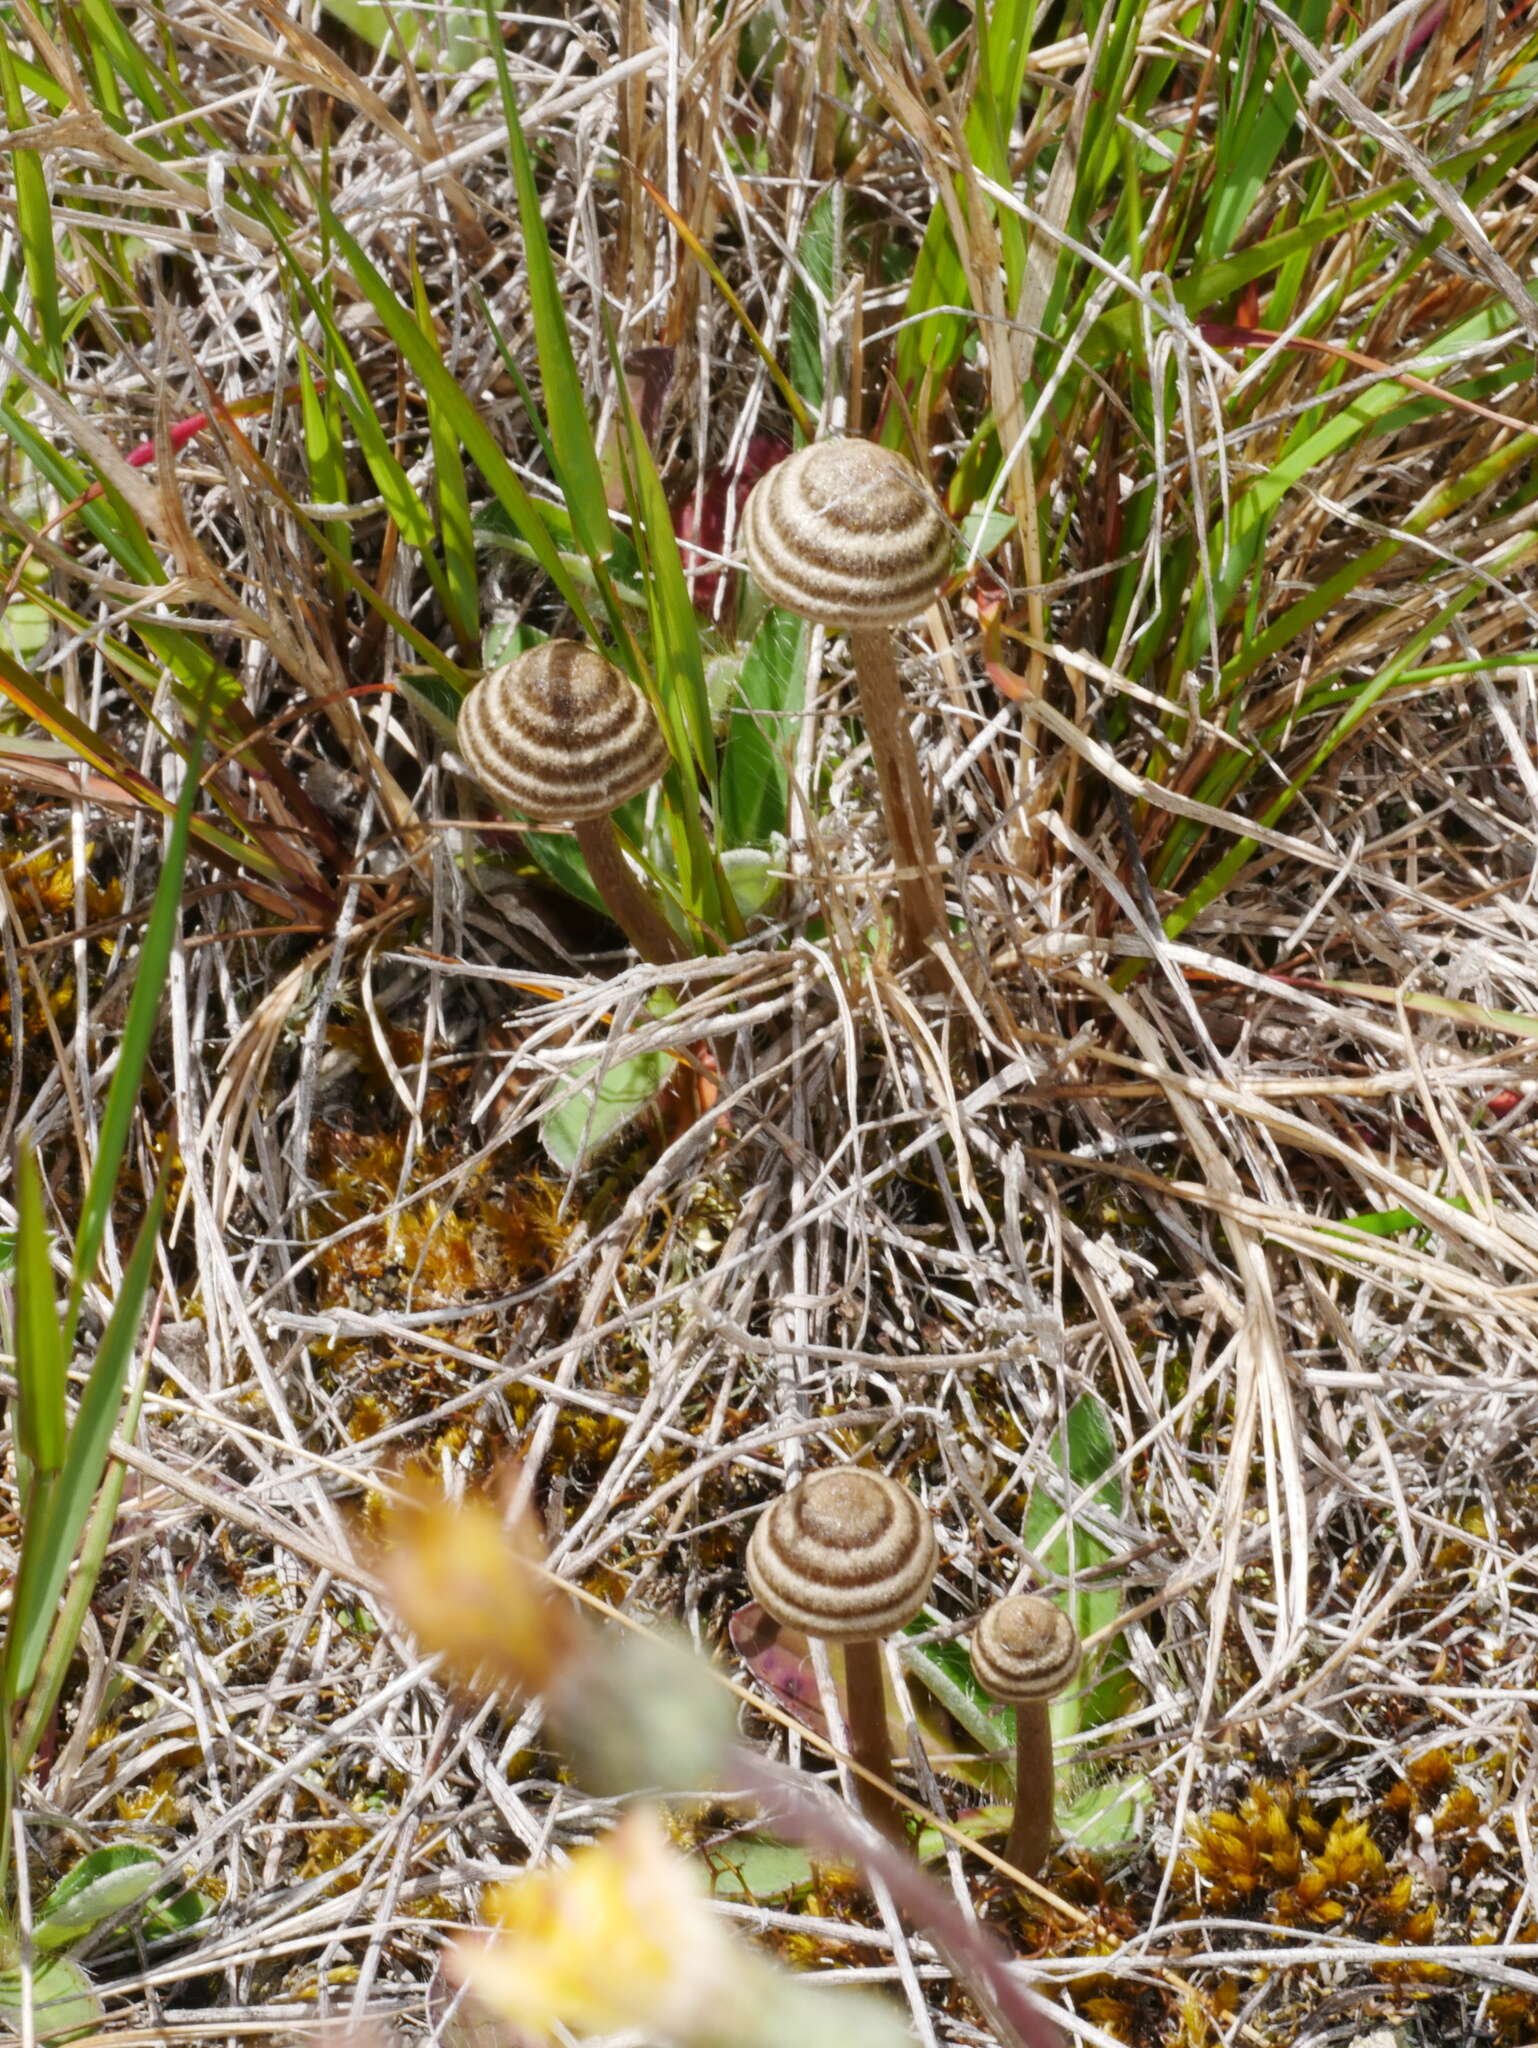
x=444, y=396
x=34, y=224
x=461, y=574
x=138, y=1030
x=571, y=433
x=50, y=1540
x=64, y=1640
x=1252, y=137
x=38, y=1419
x=681, y=698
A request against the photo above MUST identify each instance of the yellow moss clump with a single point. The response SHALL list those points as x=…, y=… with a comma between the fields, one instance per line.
x=1275, y=1852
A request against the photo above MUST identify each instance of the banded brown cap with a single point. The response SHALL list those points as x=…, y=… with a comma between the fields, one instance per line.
x=848, y=534
x=847, y=1555
x=561, y=734
x=1024, y=1649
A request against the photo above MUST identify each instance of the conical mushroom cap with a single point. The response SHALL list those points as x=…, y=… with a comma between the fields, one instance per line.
x=1024, y=1649
x=846, y=533
x=561, y=735
x=847, y=1555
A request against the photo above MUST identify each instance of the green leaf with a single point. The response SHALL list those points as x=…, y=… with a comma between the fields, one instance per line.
x=100, y=1886
x=1109, y=1814
x=579, y=473
x=680, y=695
x=107, y=1882
x=64, y=2001
x=758, y=1869
x=761, y=726
x=810, y=297
x=444, y=396
x=1254, y=130
x=49, y=1539
x=603, y=1100
x=41, y=1360
x=34, y=223
x=945, y=1672
x=138, y=1031
x=978, y=1824
x=982, y=532
x=437, y=700
x=755, y=875
x=462, y=583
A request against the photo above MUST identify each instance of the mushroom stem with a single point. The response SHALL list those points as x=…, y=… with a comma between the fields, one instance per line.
x=631, y=908
x=870, y=1741
x=884, y=708
x=1030, y=1834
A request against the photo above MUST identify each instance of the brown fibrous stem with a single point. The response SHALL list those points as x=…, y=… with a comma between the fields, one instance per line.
x=870, y=1741
x=1030, y=1834
x=885, y=711
x=631, y=907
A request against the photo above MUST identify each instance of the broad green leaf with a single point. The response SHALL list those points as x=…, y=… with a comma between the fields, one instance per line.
x=762, y=722
x=982, y=532
x=979, y=1824
x=437, y=701
x=755, y=875
x=101, y=1885
x=811, y=295
x=63, y=2002
x=945, y=1672
x=758, y=1869
x=1108, y=1814
x=24, y=631
x=603, y=1100
x=107, y=1882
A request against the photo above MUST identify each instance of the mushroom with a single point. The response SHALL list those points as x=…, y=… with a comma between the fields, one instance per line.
x=1025, y=1651
x=848, y=1555
x=847, y=533
x=563, y=736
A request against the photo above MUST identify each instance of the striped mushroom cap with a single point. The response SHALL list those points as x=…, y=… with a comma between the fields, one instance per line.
x=561, y=735
x=847, y=1555
x=847, y=534
x=1024, y=1649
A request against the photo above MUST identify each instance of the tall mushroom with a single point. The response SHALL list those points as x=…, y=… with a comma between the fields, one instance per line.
x=1025, y=1652
x=848, y=1555
x=563, y=736
x=847, y=533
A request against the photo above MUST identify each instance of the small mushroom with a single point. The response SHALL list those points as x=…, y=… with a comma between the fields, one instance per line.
x=848, y=1555
x=563, y=736
x=1025, y=1651
x=848, y=534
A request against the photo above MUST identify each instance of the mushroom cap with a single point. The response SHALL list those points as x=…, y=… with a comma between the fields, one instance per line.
x=847, y=1555
x=561, y=734
x=848, y=534
x=1024, y=1649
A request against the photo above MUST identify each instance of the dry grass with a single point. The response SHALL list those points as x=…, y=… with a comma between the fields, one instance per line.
x=1117, y=1155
